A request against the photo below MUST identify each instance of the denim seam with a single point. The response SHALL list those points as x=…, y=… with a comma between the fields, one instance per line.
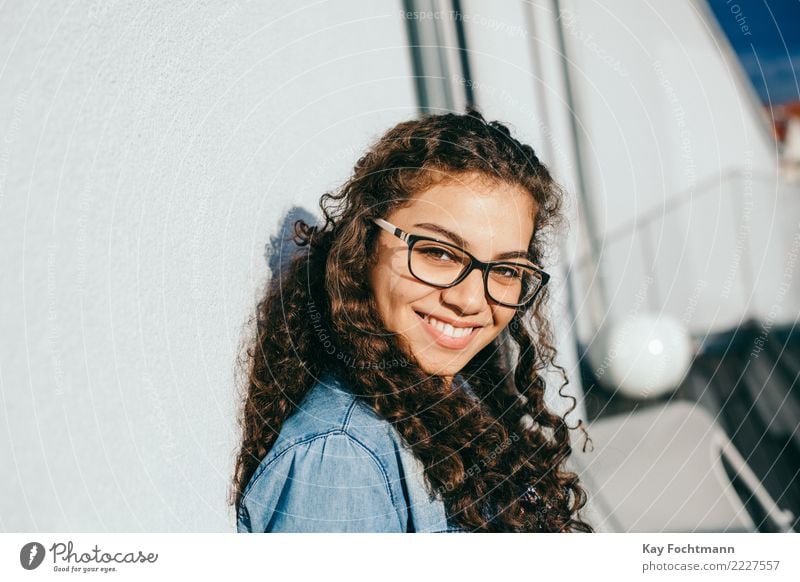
x=377, y=462
x=349, y=414
x=345, y=425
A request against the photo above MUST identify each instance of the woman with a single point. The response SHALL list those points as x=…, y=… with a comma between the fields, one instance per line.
x=378, y=396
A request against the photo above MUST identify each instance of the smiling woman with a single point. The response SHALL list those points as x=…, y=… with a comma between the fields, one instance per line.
x=406, y=415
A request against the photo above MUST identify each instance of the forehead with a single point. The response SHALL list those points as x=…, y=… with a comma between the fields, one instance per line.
x=490, y=216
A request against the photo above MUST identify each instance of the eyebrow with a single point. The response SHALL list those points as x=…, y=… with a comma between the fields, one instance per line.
x=462, y=243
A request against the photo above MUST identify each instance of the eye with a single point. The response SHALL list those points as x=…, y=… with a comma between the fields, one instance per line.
x=439, y=254
x=508, y=272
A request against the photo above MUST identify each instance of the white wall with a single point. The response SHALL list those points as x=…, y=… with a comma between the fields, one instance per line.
x=149, y=152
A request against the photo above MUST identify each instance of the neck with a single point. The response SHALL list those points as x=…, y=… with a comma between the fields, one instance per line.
x=450, y=382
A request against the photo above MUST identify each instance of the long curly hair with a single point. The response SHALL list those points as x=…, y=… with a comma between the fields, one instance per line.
x=496, y=462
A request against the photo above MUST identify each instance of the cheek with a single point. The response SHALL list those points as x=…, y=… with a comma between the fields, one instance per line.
x=392, y=285
x=502, y=317
x=392, y=292
x=377, y=284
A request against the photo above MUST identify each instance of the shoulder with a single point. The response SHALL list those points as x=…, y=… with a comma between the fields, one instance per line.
x=330, y=407
x=333, y=468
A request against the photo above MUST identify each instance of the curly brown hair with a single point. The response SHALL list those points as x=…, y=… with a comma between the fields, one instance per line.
x=498, y=463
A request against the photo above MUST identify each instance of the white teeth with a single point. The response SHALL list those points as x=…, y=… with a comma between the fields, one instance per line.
x=448, y=329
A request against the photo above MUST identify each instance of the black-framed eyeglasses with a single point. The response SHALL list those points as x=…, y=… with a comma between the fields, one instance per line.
x=443, y=264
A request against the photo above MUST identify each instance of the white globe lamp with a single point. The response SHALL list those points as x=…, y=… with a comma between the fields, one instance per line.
x=642, y=357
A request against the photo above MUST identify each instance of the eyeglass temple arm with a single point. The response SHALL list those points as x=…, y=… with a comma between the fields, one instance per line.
x=390, y=228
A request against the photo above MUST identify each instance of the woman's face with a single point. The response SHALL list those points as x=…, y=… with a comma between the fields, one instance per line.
x=490, y=219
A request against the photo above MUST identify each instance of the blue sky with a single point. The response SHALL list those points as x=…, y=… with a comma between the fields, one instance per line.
x=769, y=48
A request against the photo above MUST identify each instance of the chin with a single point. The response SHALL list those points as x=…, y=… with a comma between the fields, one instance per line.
x=444, y=372
x=443, y=368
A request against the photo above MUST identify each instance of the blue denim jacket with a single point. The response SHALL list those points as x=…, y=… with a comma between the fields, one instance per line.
x=336, y=466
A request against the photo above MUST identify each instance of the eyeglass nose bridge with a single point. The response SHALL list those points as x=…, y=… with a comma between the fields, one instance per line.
x=471, y=266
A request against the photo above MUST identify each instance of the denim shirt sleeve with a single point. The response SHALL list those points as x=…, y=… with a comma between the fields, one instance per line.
x=326, y=482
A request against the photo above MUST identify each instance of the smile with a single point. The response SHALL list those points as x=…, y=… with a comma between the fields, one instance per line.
x=446, y=334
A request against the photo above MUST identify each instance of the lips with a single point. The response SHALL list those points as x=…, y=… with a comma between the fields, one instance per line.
x=446, y=334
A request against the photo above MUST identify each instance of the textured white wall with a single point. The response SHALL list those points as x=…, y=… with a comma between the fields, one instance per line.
x=148, y=152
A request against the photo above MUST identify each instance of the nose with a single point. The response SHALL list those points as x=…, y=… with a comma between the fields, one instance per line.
x=469, y=295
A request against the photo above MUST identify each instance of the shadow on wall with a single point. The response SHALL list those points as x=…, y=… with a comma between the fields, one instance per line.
x=281, y=249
